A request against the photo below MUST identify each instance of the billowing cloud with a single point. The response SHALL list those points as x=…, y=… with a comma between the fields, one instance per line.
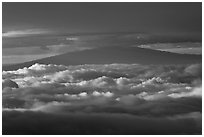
x=197, y=92
x=144, y=94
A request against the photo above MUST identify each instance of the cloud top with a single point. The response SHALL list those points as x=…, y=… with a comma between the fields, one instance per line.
x=141, y=92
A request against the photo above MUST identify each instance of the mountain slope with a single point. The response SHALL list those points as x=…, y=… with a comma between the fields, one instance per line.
x=108, y=55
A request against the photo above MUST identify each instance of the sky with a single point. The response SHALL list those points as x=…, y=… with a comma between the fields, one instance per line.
x=38, y=30
x=104, y=17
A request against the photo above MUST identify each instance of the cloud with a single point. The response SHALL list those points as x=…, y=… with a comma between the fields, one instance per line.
x=24, y=33
x=34, y=70
x=181, y=47
x=197, y=92
x=146, y=94
x=194, y=70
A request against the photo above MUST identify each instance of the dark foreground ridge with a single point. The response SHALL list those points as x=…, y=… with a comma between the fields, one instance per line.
x=108, y=55
x=37, y=123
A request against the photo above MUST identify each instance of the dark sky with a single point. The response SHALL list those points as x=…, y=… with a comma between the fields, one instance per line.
x=104, y=17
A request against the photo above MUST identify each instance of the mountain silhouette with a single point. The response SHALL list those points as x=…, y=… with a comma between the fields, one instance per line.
x=113, y=54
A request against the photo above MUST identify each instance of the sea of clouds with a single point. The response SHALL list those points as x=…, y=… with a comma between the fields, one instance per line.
x=103, y=99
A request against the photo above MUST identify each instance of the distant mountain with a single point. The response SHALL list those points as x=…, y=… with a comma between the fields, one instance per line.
x=107, y=55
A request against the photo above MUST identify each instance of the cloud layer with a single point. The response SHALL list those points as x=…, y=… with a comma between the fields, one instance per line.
x=180, y=47
x=131, y=95
x=24, y=33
